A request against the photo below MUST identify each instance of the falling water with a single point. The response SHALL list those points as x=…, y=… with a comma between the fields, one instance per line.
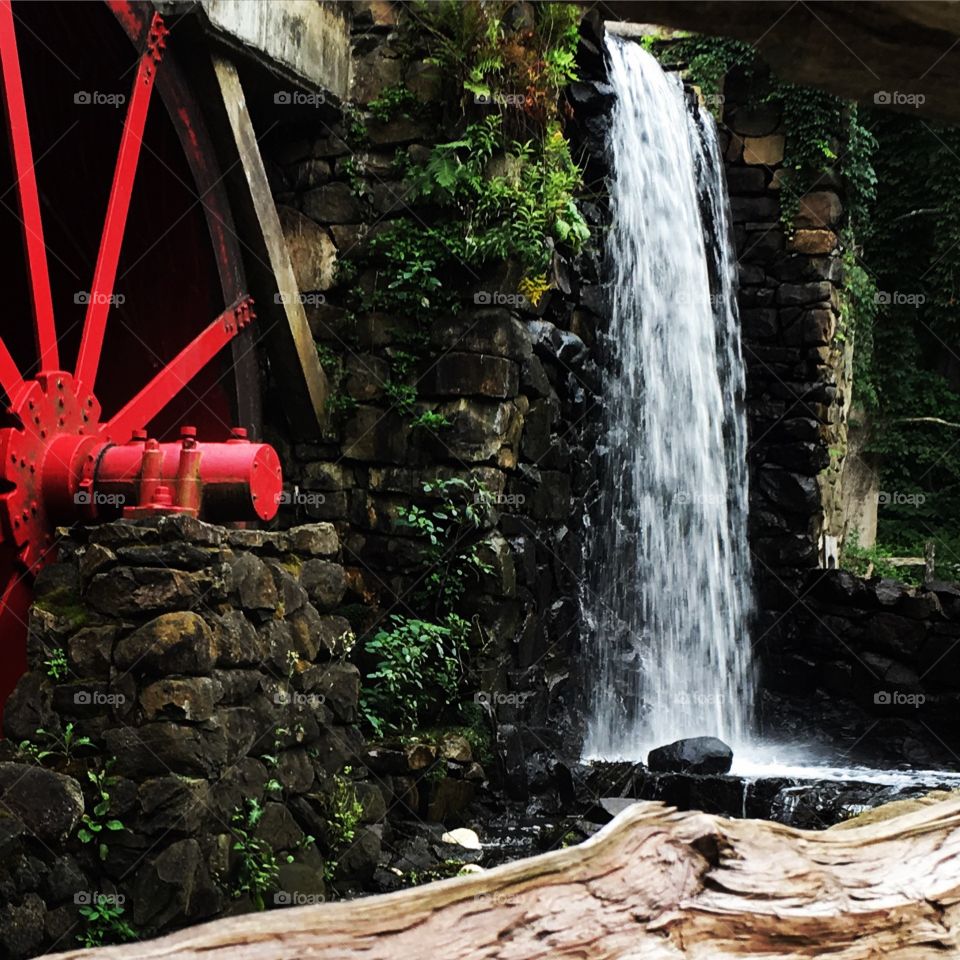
x=669, y=600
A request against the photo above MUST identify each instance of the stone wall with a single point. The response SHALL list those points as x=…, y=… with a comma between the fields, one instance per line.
x=187, y=689
x=871, y=667
x=514, y=381
x=798, y=368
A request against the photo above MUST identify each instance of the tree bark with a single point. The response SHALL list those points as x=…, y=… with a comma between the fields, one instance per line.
x=654, y=884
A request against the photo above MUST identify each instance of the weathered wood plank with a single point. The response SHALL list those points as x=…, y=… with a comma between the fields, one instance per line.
x=281, y=320
x=654, y=884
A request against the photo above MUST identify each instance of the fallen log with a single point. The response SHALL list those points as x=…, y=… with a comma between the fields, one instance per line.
x=654, y=884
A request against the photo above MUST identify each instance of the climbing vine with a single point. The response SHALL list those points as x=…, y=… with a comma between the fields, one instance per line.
x=823, y=133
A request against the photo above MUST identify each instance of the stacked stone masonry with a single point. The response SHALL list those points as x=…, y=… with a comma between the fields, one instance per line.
x=186, y=666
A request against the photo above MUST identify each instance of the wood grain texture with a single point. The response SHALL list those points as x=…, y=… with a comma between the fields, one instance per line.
x=655, y=884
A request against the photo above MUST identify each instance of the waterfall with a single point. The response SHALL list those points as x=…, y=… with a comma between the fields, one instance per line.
x=668, y=598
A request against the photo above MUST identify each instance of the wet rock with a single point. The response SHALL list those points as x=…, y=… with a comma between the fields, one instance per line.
x=22, y=927
x=162, y=747
x=179, y=698
x=324, y=582
x=139, y=591
x=332, y=203
x=254, y=584
x=692, y=755
x=179, y=642
x=49, y=804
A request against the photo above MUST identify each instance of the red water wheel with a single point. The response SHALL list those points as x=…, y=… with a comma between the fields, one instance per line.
x=123, y=284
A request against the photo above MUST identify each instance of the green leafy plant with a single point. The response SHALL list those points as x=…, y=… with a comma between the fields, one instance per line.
x=105, y=924
x=57, y=665
x=430, y=420
x=343, y=813
x=328, y=359
x=448, y=525
x=417, y=673
x=97, y=825
x=340, y=403
x=257, y=868
x=402, y=396
x=62, y=746
x=393, y=101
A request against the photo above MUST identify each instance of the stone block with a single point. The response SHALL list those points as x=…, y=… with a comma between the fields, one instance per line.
x=179, y=698
x=179, y=642
x=324, y=582
x=820, y=209
x=479, y=429
x=48, y=804
x=745, y=209
x=236, y=640
x=813, y=241
x=254, y=584
x=767, y=151
x=745, y=180
x=375, y=435
x=473, y=374
x=313, y=540
x=798, y=294
x=753, y=120
x=139, y=591
x=790, y=491
x=332, y=203
x=163, y=747
x=339, y=685
x=493, y=331
x=365, y=376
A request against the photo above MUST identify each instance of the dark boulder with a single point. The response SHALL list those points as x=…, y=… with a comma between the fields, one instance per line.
x=692, y=755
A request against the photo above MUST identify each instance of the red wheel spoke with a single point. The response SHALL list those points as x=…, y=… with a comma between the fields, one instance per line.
x=178, y=372
x=10, y=377
x=101, y=290
x=46, y=334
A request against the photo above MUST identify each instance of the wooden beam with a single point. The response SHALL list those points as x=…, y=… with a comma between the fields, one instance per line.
x=290, y=345
x=654, y=884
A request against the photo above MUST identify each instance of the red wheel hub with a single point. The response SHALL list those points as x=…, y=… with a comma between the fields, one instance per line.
x=50, y=411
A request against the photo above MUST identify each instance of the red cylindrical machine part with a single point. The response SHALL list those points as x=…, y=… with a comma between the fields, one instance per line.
x=240, y=481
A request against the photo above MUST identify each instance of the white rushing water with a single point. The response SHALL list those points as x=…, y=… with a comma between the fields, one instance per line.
x=669, y=599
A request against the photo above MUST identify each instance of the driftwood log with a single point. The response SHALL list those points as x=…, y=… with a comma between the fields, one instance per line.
x=654, y=884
